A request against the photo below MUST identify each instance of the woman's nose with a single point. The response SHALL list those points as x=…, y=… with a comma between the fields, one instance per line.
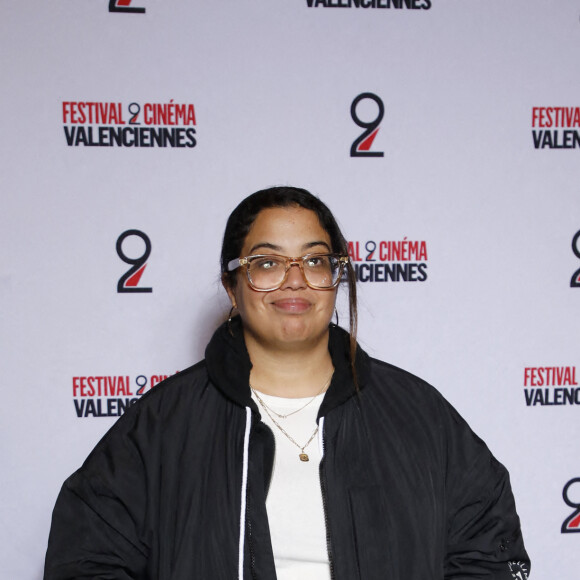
x=294, y=279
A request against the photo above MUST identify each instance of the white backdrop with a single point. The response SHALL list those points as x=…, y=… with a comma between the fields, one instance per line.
x=272, y=85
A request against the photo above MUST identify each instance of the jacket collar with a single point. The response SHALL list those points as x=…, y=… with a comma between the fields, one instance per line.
x=229, y=366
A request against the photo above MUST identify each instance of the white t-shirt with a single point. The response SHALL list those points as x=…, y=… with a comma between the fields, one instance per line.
x=294, y=502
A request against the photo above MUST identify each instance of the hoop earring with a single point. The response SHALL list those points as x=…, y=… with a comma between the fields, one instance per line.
x=230, y=321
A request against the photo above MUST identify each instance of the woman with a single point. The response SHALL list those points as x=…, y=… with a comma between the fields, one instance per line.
x=288, y=452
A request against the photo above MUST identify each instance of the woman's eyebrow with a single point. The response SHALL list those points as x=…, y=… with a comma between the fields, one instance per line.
x=310, y=245
x=266, y=245
x=275, y=248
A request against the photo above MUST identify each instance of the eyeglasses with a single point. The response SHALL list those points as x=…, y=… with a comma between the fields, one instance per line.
x=267, y=272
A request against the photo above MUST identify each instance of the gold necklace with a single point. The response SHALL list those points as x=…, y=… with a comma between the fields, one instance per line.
x=280, y=415
x=303, y=456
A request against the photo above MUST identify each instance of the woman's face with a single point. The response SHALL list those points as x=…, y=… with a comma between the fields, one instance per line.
x=295, y=315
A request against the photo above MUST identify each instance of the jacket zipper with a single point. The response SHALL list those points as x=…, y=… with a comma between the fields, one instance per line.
x=323, y=485
x=251, y=543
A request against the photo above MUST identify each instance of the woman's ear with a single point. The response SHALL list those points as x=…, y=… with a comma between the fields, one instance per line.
x=227, y=284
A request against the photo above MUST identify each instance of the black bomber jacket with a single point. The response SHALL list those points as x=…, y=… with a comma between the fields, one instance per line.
x=410, y=492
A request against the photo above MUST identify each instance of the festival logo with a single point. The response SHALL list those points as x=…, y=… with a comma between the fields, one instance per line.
x=361, y=146
x=572, y=522
x=129, y=281
x=556, y=127
x=389, y=261
x=396, y=4
x=113, y=124
x=575, y=280
x=551, y=386
x=109, y=396
x=124, y=6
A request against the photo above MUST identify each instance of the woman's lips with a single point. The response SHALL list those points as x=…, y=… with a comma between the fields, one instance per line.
x=296, y=305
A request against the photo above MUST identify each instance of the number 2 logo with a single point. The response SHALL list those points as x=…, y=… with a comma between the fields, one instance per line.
x=572, y=522
x=371, y=248
x=129, y=281
x=362, y=144
x=575, y=280
x=134, y=110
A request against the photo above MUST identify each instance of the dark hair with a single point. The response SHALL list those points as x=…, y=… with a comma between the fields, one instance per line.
x=242, y=218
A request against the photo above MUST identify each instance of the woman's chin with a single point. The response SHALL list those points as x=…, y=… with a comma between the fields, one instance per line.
x=298, y=331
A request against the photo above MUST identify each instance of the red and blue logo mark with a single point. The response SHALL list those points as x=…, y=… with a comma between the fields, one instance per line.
x=128, y=282
x=572, y=522
x=575, y=280
x=361, y=146
x=124, y=6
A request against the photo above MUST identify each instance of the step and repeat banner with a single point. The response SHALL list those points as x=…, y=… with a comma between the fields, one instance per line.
x=443, y=134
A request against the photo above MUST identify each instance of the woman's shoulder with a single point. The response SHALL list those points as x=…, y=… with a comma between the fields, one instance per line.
x=396, y=386
x=391, y=377
x=187, y=383
x=176, y=396
x=185, y=398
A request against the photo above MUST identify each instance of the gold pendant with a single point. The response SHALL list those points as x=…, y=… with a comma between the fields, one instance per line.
x=304, y=457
